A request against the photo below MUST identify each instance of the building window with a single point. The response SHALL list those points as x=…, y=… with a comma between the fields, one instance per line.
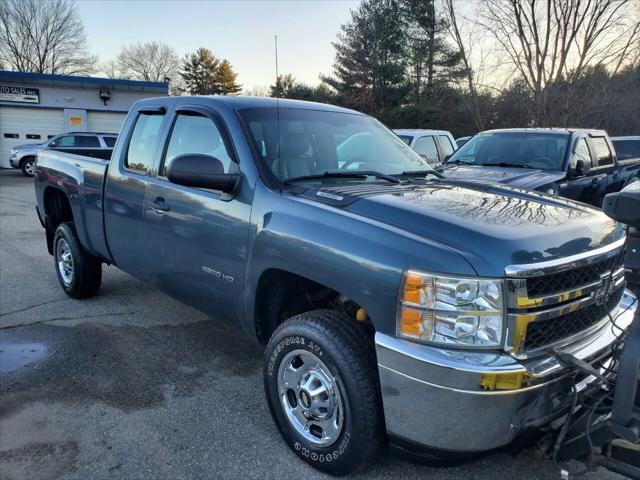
x=33, y=136
x=109, y=141
x=50, y=136
x=11, y=135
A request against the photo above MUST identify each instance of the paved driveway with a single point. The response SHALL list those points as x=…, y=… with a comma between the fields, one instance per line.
x=131, y=384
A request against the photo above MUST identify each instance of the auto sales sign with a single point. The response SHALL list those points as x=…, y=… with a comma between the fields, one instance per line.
x=19, y=94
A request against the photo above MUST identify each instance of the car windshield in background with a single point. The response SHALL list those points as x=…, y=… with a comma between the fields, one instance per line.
x=298, y=143
x=626, y=149
x=514, y=149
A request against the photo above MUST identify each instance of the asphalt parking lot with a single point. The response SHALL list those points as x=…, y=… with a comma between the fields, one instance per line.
x=131, y=384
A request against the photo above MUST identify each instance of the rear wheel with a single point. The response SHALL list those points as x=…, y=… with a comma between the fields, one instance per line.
x=27, y=165
x=79, y=272
x=321, y=383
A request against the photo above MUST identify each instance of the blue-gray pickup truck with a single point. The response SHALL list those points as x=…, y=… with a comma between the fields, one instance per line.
x=397, y=307
x=579, y=164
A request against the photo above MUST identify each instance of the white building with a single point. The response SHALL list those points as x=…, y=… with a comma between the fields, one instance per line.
x=35, y=106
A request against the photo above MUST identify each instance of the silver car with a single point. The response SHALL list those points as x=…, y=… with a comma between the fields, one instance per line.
x=90, y=144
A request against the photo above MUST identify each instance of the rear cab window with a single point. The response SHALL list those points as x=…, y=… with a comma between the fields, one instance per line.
x=142, y=144
x=447, y=146
x=602, y=151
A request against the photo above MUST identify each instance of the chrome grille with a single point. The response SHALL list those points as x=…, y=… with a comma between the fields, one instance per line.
x=554, y=302
x=545, y=332
x=576, y=277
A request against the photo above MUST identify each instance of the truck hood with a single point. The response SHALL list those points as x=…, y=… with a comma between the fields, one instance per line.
x=490, y=225
x=516, y=177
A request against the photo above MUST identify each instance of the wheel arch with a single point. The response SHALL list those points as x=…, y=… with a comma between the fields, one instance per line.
x=57, y=209
x=281, y=294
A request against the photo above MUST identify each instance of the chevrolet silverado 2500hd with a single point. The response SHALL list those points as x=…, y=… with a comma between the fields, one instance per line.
x=396, y=306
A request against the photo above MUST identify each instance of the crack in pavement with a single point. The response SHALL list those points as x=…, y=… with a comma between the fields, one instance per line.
x=110, y=314
x=15, y=200
x=32, y=306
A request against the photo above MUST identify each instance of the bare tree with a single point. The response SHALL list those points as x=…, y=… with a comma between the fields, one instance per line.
x=150, y=61
x=44, y=37
x=463, y=46
x=552, y=40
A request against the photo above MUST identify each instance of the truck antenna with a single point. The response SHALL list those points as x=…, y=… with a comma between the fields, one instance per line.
x=277, y=76
x=278, y=86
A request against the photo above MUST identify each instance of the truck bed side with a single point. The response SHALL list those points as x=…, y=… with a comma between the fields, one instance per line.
x=629, y=171
x=68, y=184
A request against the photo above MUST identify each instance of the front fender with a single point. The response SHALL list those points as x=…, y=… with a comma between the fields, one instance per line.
x=353, y=255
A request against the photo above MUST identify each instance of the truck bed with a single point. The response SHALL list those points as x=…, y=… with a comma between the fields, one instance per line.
x=82, y=180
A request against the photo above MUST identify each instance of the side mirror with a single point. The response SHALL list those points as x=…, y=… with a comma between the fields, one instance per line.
x=446, y=158
x=52, y=144
x=201, y=171
x=580, y=170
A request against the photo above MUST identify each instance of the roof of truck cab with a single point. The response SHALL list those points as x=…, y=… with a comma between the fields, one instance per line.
x=559, y=131
x=419, y=131
x=242, y=102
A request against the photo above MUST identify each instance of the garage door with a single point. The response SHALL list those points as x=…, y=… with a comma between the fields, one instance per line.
x=105, y=121
x=26, y=125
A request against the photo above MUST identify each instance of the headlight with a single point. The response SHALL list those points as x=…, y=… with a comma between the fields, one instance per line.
x=451, y=310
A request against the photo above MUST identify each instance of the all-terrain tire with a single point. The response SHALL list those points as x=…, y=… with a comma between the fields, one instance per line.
x=337, y=341
x=79, y=272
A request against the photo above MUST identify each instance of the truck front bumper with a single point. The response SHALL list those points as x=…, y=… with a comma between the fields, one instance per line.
x=435, y=398
x=14, y=161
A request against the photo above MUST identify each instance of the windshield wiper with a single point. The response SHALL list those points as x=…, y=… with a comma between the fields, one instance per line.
x=421, y=173
x=460, y=162
x=506, y=164
x=354, y=174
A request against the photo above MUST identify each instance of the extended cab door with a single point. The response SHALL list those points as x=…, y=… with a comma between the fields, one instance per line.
x=125, y=188
x=604, y=174
x=198, y=237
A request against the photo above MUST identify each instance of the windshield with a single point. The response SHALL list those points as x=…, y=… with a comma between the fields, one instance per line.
x=626, y=149
x=296, y=143
x=527, y=149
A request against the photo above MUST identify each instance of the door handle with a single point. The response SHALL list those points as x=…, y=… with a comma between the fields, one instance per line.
x=160, y=206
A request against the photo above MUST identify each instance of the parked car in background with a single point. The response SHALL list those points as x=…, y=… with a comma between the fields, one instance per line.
x=626, y=147
x=573, y=163
x=89, y=144
x=462, y=140
x=395, y=306
x=433, y=145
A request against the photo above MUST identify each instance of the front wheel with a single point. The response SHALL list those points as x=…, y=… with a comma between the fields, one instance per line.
x=27, y=166
x=79, y=272
x=321, y=383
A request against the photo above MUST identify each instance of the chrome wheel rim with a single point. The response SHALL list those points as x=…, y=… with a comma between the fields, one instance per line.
x=28, y=167
x=310, y=397
x=65, y=261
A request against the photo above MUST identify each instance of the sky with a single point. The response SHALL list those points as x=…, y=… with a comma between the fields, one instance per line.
x=240, y=31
